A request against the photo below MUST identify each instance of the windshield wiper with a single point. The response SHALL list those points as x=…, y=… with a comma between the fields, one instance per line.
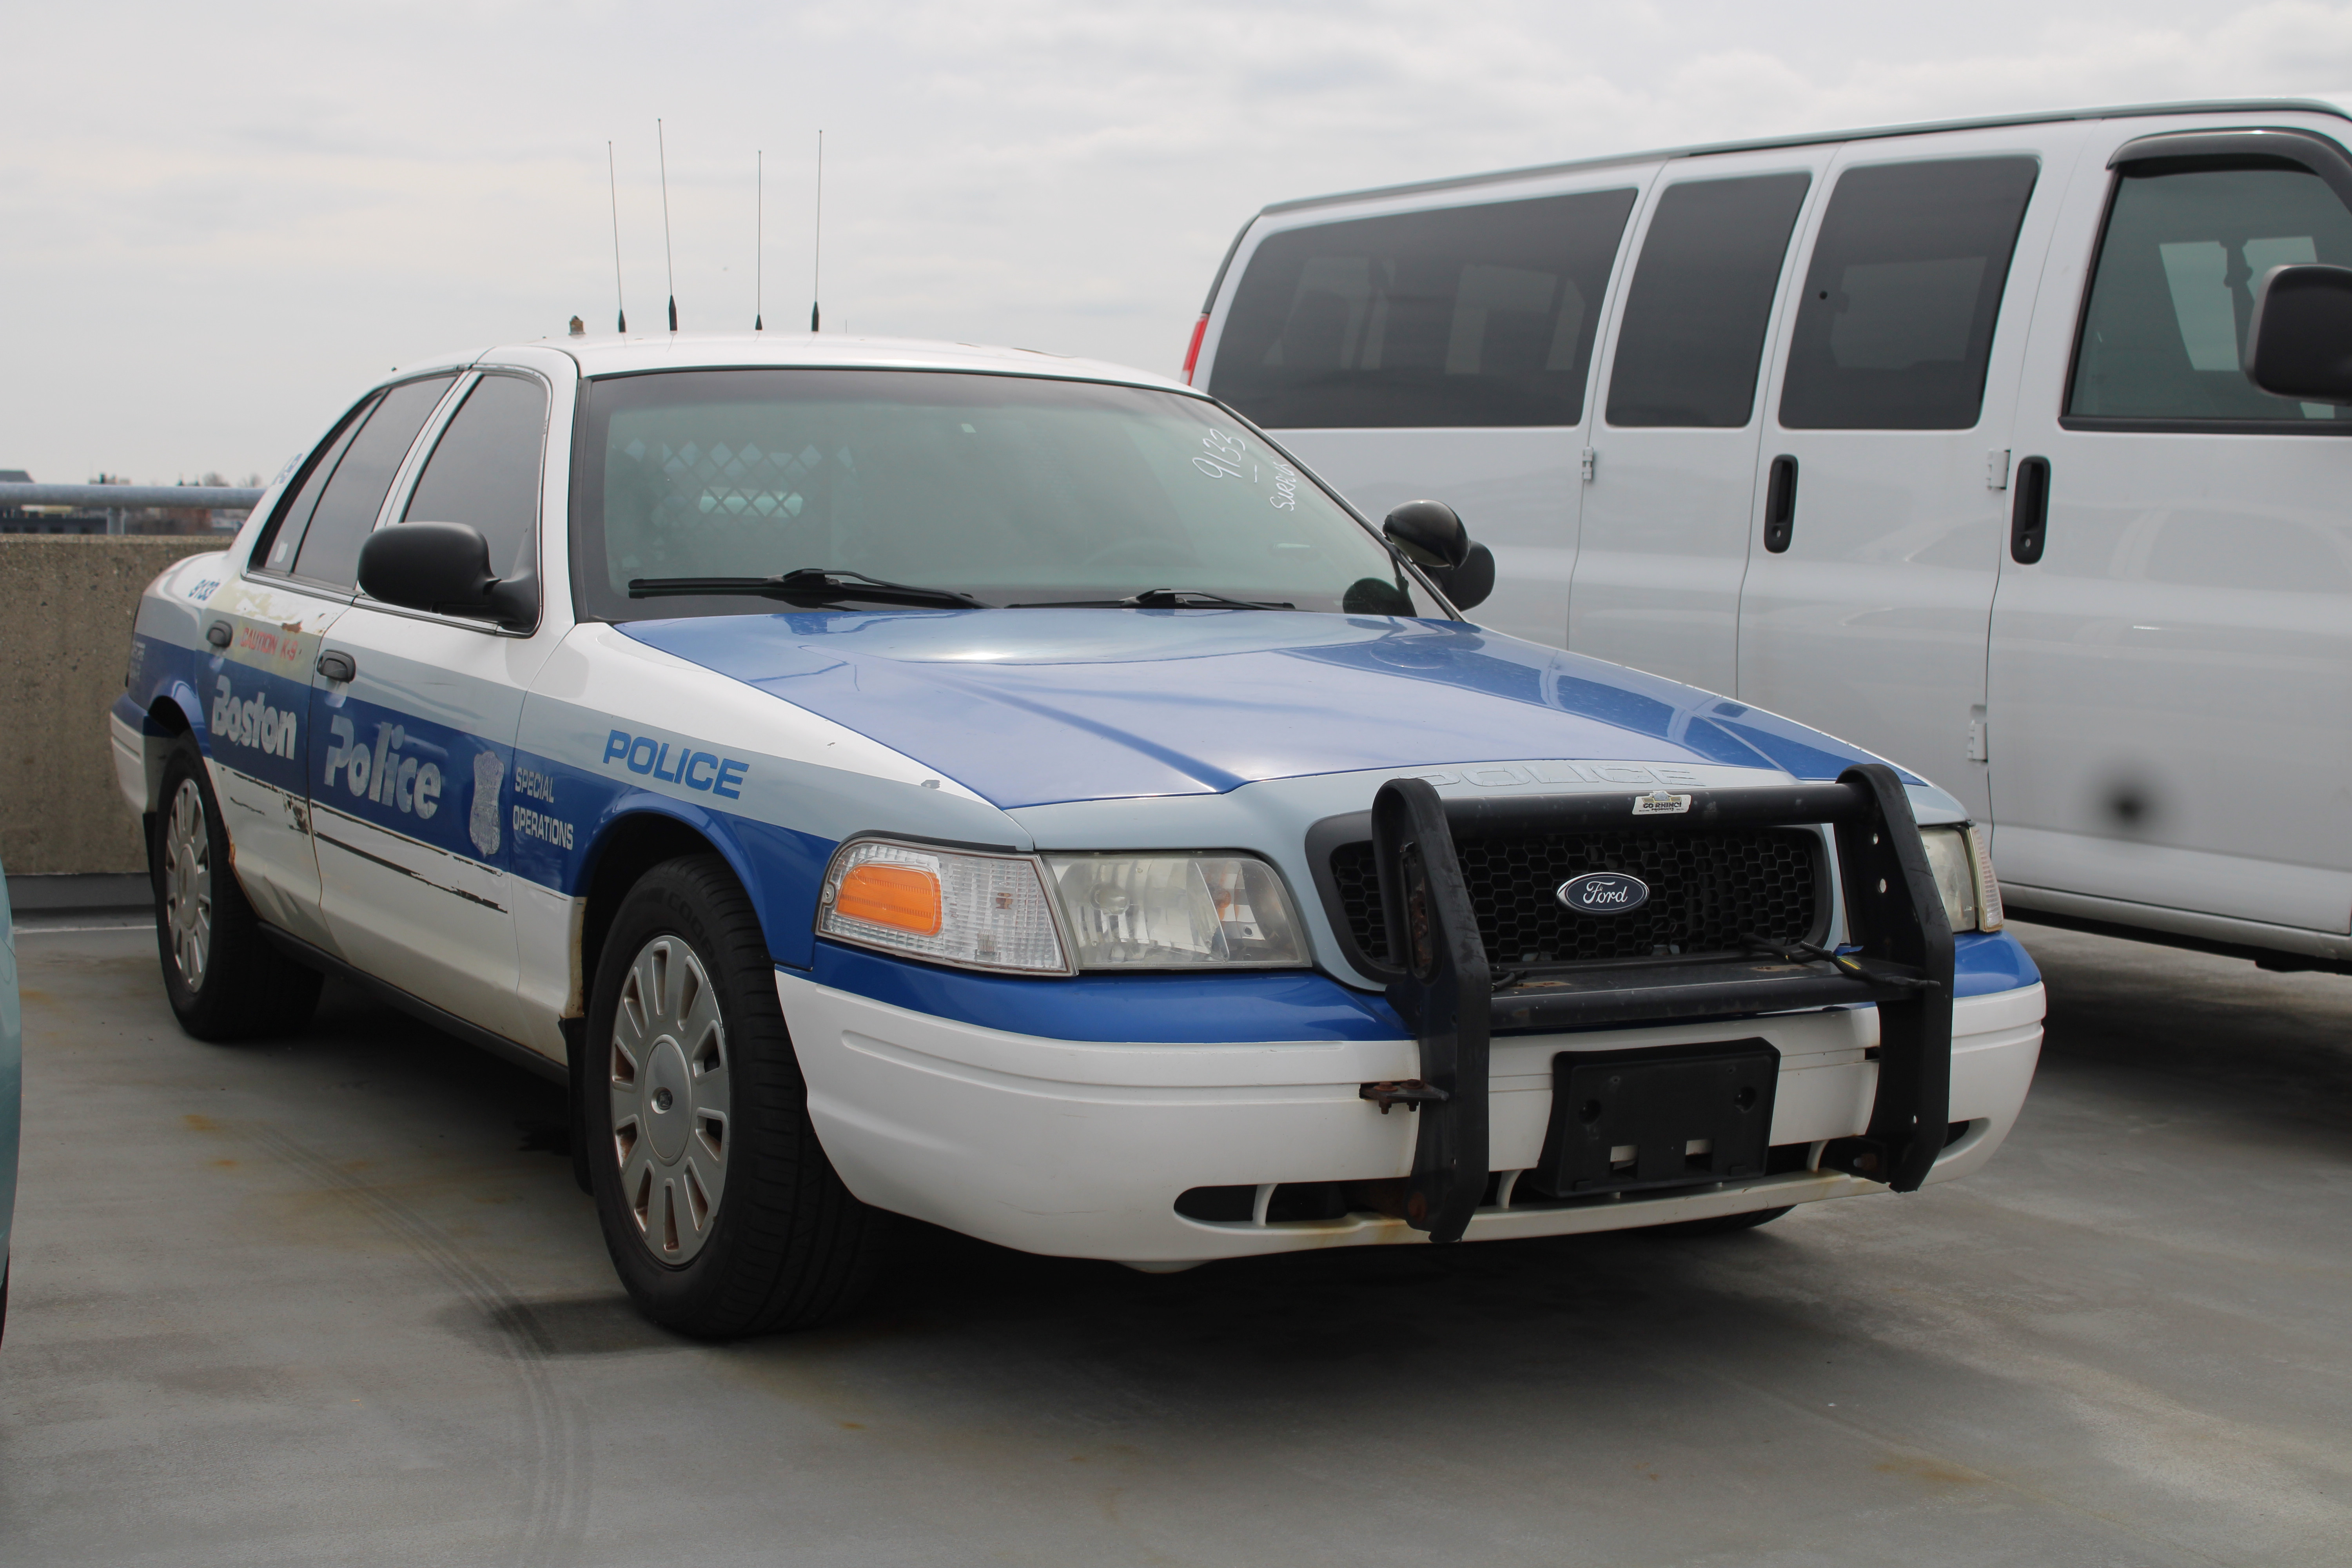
x=808, y=585
x=1161, y=599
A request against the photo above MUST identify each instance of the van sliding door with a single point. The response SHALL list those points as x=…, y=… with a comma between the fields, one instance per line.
x=1442, y=352
x=1884, y=456
x=1664, y=537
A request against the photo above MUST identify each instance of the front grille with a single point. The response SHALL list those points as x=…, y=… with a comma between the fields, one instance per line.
x=1708, y=888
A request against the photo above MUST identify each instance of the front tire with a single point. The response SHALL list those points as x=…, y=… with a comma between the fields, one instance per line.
x=225, y=979
x=721, y=1212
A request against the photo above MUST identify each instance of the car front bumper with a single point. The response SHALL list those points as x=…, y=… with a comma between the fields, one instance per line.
x=1081, y=1148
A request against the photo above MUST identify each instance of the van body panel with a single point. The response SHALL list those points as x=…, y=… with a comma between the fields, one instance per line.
x=1873, y=618
x=1664, y=539
x=1517, y=488
x=1517, y=492
x=2169, y=685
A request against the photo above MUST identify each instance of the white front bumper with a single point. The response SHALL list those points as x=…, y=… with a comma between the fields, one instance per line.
x=1081, y=1148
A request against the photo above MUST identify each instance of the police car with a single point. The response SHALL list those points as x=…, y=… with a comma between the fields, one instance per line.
x=895, y=778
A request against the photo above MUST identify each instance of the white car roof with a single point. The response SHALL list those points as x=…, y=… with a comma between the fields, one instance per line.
x=608, y=353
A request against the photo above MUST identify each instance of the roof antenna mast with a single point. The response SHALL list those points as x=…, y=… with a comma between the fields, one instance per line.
x=758, y=233
x=671, y=260
x=614, y=184
x=816, y=262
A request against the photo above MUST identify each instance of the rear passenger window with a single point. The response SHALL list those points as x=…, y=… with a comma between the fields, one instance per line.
x=1701, y=299
x=330, y=550
x=1469, y=316
x=484, y=470
x=2184, y=250
x=1895, y=325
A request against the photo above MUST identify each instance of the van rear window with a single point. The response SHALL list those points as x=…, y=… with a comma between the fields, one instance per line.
x=1465, y=316
x=1895, y=325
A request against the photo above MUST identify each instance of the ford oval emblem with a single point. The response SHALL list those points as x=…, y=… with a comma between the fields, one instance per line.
x=1603, y=893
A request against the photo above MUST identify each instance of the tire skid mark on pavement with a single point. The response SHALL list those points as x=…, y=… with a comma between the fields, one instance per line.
x=558, y=1463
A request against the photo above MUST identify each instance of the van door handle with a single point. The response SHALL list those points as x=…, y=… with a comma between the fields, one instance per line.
x=1780, y=504
x=2029, y=511
x=338, y=666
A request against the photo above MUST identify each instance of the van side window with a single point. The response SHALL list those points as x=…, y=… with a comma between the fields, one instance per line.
x=282, y=535
x=484, y=470
x=1466, y=316
x=1896, y=324
x=329, y=550
x=1701, y=299
x=2185, y=247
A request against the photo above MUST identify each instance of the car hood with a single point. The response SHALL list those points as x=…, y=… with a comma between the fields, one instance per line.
x=1043, y=706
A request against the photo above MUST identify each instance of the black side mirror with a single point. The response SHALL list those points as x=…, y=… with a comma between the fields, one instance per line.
x=1431, y=536
x=2299, y=342
x=444, y=567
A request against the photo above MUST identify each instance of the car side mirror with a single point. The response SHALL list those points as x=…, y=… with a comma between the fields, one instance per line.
x=1431, y=536
x=2299, y=340
x=444, y=567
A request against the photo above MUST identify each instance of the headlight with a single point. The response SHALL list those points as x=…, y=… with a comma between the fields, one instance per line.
x=1963, y=869
x=980, y=911
x=1176, y=912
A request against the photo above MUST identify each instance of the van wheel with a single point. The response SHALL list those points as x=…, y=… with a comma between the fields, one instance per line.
x=721, y=1212
x=225, y=979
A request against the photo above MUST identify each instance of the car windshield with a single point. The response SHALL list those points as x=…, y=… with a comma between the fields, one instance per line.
x=1014, y=490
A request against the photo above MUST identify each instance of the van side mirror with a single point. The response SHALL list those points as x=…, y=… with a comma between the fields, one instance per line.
x=444, y=567
x=1431, y=536
x=2299, y=340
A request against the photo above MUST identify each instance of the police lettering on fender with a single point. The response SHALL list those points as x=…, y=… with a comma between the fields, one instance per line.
x=650, y=754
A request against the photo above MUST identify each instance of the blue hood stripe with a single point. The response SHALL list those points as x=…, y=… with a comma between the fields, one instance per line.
x=1040, y=707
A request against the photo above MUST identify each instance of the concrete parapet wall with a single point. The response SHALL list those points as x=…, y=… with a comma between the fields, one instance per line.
x=67, y=603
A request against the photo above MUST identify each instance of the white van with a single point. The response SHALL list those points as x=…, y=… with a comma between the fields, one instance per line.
x=1941, y=439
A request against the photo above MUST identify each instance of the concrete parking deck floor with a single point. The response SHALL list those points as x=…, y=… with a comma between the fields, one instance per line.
x=336, y=1300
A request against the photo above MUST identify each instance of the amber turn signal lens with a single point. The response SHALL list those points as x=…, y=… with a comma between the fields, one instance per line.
x=903, y=897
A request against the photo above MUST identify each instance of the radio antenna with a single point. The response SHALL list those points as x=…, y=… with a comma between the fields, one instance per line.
x=614, y=184
x=817, y=261
x=759, y=232
x=662, y=144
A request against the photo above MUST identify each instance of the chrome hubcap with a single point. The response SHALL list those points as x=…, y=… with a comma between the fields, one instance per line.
x=668, y=1073
x=188, y=884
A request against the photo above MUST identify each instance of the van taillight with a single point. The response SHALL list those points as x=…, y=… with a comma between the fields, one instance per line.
x=1192, y=355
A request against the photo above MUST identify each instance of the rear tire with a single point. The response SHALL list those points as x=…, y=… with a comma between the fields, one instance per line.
x=225, y=978
x=721, y=1212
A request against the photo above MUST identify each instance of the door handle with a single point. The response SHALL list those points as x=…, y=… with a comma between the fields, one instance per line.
x=1780, y=504
x=2028, y=511
x=338, y=666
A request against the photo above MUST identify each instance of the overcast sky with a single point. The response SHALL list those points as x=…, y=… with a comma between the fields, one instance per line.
x=218, y=222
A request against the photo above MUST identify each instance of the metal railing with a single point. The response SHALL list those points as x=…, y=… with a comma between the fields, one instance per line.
x=118, y=500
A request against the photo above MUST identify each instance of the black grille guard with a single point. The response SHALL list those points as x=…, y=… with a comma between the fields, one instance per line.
x=1449, y=997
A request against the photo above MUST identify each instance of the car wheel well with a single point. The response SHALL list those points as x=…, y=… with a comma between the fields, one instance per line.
x=632, y=846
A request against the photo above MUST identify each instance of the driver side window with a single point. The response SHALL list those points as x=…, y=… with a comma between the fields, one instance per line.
x=2185, y=249
x=484, y=469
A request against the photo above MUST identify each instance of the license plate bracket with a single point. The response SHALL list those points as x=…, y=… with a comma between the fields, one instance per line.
x=1670, y=1116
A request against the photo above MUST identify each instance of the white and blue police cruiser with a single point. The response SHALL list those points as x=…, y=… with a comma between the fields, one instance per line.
x=889, y=778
